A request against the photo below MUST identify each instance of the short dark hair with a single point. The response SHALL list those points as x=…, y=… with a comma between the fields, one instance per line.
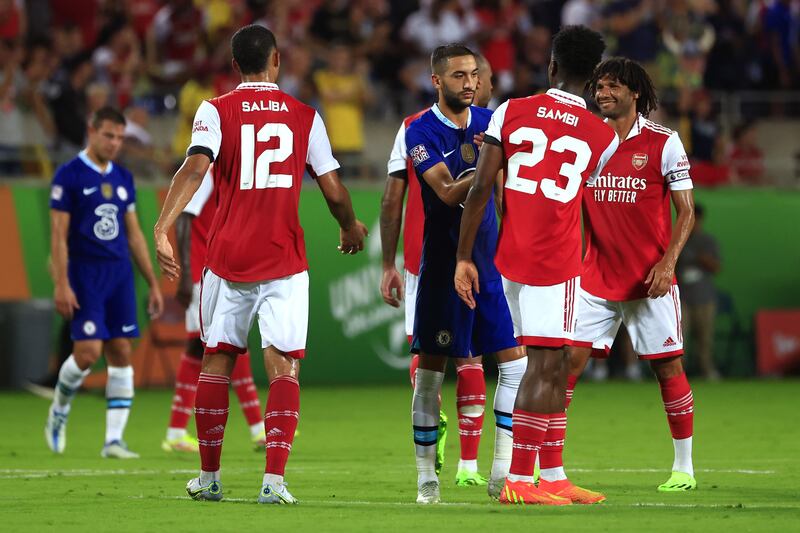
x=106, y=113
x=443, y=53
x=633, y=76
x=577, y=50
x=251, y=47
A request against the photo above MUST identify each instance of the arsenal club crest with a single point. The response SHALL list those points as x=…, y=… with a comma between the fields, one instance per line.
x=106, y=190
x=468, y=153
x=639, y=161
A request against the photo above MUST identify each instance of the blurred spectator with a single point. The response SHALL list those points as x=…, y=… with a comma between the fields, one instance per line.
x=37, y=69
x=191, y=95
x=500, y=21
x=12, y=135
x=443, y=21
x=331, y=22
x=746, y=160
x=343, y=93
x=733, y=60
x=581, y=12
x=634, y=24
x=98, y=95
x=698, y=263
x=140, y=14
x=118, y=62
x=532, y=66
x=781, y=30
x=139, y=154
x=702, y=134
x=69, y=104
x=688, y=36
x=295, y=76
x=81, y=14
x=175, y=42
x=13, y=21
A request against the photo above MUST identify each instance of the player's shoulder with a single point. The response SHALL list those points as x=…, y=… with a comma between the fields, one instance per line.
x=656, y=129
x=482, y=112
x=123, y=172
x=71, y=168
x=420, y=124
x=414, y=116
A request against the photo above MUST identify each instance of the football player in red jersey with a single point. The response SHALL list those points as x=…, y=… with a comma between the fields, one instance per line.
x=549, y=145
x=261, y=141
x=191, y=232
x=470, y=382
x=632, y=248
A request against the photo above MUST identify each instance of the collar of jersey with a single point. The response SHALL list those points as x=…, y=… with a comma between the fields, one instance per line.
x=446, y=121
x=91, y=164
x=566, y=98
x=637, y=127
x=258, y=85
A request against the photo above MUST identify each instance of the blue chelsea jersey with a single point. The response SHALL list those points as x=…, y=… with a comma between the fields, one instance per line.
x=97, y=201
x=433, y=139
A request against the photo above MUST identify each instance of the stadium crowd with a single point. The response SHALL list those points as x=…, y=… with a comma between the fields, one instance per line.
x=62, y=59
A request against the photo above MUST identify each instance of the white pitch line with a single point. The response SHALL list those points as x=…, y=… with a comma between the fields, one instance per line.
x=359, y=503
x=11, y=473
x=656, y=470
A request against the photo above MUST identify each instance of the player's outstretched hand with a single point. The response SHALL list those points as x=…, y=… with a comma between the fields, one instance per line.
x=65, y=300
x=351, y=240
x=155, y=302
x=166, y=258
x=660, y=279
x=466, y=280
x=392, y=287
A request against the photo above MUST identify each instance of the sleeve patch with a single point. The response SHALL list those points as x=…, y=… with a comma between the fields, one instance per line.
x=57, y=192
x=418, y=154
x=679, y=175
x=199, y=126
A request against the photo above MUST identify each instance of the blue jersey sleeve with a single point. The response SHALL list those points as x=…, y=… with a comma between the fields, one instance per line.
x=131, y=202
x=61, y=190
x=422, y=151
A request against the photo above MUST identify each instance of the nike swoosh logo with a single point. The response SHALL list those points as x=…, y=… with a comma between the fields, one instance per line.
x=448, y=153
x=87, y=192
x=128, y=329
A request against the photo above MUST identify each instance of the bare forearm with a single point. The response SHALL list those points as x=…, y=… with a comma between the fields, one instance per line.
x=680, y=233
x=457, y=192
x=185, y=183
x=391, y=221
x=341, y=208
x=59, y=254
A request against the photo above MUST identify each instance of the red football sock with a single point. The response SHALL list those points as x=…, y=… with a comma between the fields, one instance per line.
x=529, y=430
x=470, y=391
x=571, y=382
x=551, y=453
x=211, y=415
x=242, y=381
x=679, y=405
x=412, y=369
x=185, y=390
x=280, y=422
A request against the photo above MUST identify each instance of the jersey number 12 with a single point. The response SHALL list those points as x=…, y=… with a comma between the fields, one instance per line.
x=263, y=178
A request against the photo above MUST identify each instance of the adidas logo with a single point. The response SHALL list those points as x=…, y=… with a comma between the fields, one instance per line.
x=219, y=428
x=466, y=421
x=275, y=432
x=669, y=342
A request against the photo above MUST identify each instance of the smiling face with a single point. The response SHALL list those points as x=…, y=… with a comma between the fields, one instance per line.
x=614, y=99
x=458, y=83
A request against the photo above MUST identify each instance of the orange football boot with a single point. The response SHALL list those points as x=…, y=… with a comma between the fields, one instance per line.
x=565, y=489
x=524, y=493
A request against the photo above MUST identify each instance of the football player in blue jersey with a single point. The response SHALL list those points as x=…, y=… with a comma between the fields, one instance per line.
x=440, y=144
x=94, y=234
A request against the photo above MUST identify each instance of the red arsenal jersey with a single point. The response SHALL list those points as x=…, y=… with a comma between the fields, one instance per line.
x=415, y=216
x=202, y=206
x=261, y=140
x=552, y=146
x=627, y=219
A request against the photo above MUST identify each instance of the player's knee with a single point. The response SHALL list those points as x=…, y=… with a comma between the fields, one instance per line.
x=667, y=368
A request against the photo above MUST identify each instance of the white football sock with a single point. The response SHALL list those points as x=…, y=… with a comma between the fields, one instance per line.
x=175, y=433
x=208, y=477
x=508, y=380
x=70, y=378
x=256, y=429
x=683, y=456
x=119, y=397
x=272, y=479
x=425, y=421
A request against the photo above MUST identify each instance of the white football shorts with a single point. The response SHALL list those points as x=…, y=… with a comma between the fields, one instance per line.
x=543, y=315
x=193, y=313
x=410, y=300
x=653, y=324
x=228, y=309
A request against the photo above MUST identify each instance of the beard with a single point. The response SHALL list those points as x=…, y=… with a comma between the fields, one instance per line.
x=454, y=101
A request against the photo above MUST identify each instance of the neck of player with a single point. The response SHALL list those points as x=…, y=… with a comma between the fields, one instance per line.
x=261, y=77
x=99, y=161
x=624, y=124
x=459, y=118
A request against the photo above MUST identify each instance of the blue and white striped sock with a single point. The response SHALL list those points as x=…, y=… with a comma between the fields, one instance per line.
x=119, y=397
x=70, y=378
x=425, y=421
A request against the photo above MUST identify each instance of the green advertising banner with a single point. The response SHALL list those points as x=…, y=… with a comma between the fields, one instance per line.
x=353, y=336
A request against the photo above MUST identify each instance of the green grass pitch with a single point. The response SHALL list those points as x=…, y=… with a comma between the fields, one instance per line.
x=352, y=467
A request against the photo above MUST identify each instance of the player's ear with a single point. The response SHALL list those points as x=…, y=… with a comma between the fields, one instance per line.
x=276, y=58
x=435, y=81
